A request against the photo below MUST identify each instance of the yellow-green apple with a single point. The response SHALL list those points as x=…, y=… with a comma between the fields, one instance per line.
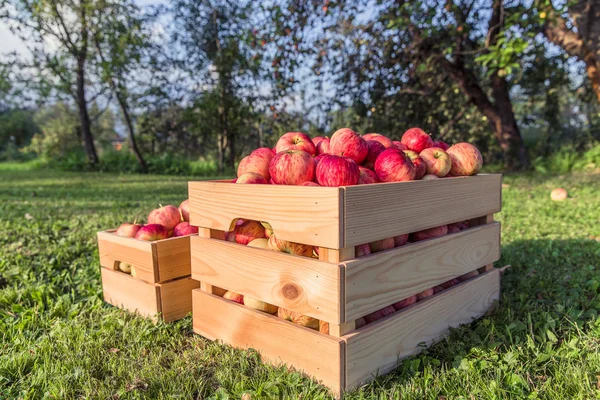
x=399, y=145
x=167, y=216
x=394, y=166
x=558, y=194
x=416, y=139
x=128, y=230
x=347, y=143
x=466, y=159
x=442, y=145
x=377, y=315
x=297, y=318
x=252, y=178
x=184, y=229
x=296, y=141
x=125, y=267
x=260, y=305
x=359, y=323
x=429, y=177
x=324, y=146
x=381, y=245
x=324, y=327
x=334, y=171
x=405, y=303
x=268, y=229
x=260, y=243
x=248, y=231
x=362, y=250
x=384, y=140
x=425, y=294
x=468, y=275
x=257, y=162
x=310, y=184
x=184, y=210
x=366, y=176
x=375, y=149
x=290, y=247
x=400, y=240
x=429, y=233
x=437, y=161
x=233, y=296
x=418, y=162
x=292, y=167
x=152, y=232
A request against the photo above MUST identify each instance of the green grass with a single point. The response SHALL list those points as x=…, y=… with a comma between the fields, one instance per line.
x=59, y=340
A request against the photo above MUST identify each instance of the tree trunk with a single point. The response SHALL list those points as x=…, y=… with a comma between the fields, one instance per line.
x=130, y=130
x=84, y=117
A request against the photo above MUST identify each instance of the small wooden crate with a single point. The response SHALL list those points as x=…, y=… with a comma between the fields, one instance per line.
x=339, y=288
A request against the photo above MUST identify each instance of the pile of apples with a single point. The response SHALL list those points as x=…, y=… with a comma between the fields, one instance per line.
x=163, y=222
x=351, y=159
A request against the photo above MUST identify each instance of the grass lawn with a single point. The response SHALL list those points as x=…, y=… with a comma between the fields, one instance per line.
x=59, y=340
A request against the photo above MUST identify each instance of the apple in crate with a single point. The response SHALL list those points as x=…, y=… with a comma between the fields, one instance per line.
x=296, y=141
x=418, y=162
x=125, y=267
x=310, y=184
x=334, y=171
x=429, y=177
x=362, y=250
x=375, y=149
x=167, y=216
x=437, y=161
x=425, y=294
x=416, y=139
x=377, y=315
x=184, y=210
x=450, y=283
x=394, y=166
x=248, y=231
x=405, y=303
x=268, y=229
x=184, y=229
x=298, y=318
x=324, y=146
x=128, y=230
x=366, y=176
x=429, y=233
x=152, y=232
x=345, y=142
x=292, y=167
x=442, y=145
x=233, y=296
x=381, y=245
x=257, y=162
x=359, y=323
x=399, y=145
x=384, y=140
x=261, y=243
x=318, y=139
x=252, y=178
x=260, y=305
x=468, y=275
x=466, y=159
x=285, y=246
x=400, y=240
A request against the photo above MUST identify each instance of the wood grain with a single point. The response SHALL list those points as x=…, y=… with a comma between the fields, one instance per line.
x=173, y=258
x=176, y=298
x=113, y=249
x=123, y=291
x=318, y=355
x=309, y=215
x=302, y=284
x=379, y=211
x=376, y=349
x=378, y=280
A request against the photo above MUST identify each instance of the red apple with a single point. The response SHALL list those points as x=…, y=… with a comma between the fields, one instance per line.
x=400, y=240
x=258, y=162
x=466, y=159
x=297, y=318
x=184, y=210
x=324, y=146
x=233, y=296
x=394, y=166
x=230, y=236
x=260, y=305
x=437, y=289
x=405, y=303
x=128, y=230
x=362, y=250
x=375, y=149
x=437, y=161
x=384, y=140
x=290, y=247
x=317, y=139
x=416, y=140
x=296, y=141
x=184, y=229
x=429, y=233
x=310, y=184
x=377, y=315
x=425, y=294
x=318, y=159
x=381, y=245
x=418, y=162
x=450, y=283
x=458, y=226
x=152, y=232
x=429, y=177
x=252, y=178
x=345, y=142
x=399, y=145
x=468, y=275
x=366, y=176
x=334, y=171
x=167, y=216
x=292, y=167
x=442, y=145
x=249, y=231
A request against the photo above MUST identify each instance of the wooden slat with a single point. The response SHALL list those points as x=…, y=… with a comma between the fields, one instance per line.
x=172, y=258
x=376, y=349
x=138, y=253
x=278, y=341
x=309, y=215
x=121, y=290
x=486, y=219
x=176, y=298
x=374, y=212
x=378, y=280
x=302, y=284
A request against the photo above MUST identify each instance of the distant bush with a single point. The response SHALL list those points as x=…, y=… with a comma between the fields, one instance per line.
x=567, y=159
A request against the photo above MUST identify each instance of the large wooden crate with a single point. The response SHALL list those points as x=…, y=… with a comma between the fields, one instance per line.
x=339, y=288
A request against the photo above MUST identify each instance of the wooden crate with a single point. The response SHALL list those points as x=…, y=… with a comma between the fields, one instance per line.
x=339, y=288
x=154, y=262
x=170, y=301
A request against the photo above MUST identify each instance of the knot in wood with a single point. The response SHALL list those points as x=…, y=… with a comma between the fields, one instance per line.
x=290, y=291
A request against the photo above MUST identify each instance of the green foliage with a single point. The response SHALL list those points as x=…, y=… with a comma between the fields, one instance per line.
x=567, y=159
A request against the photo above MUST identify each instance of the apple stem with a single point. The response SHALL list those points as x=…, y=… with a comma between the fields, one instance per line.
x=134, y=221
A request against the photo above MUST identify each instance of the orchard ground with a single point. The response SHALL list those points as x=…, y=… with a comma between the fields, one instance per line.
x=59, y=340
